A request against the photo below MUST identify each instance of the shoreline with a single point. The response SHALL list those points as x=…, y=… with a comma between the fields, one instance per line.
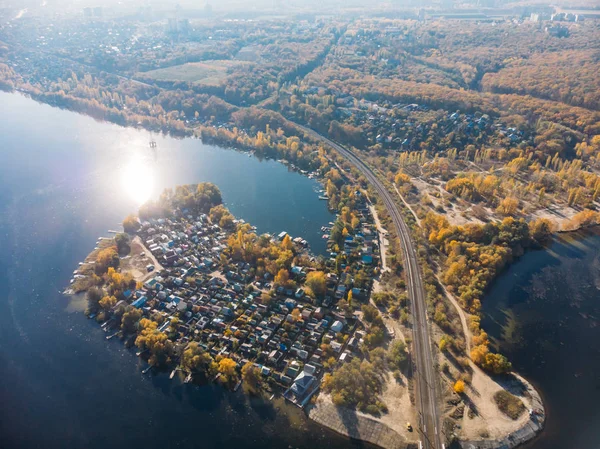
x=349, y=423
x=295, y=169
x=525, y=434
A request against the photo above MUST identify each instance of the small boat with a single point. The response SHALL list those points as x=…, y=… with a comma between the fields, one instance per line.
x=173, y=373
x=324, y=197
x=147, y=369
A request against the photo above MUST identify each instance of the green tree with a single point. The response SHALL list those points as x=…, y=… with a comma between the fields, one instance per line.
x=397, y=354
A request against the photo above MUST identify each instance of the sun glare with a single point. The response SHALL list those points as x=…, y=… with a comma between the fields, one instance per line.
x=137, y=180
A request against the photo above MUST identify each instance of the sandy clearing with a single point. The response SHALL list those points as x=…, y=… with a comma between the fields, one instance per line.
x=136, y=261
x=486, y=421
x=385, y=243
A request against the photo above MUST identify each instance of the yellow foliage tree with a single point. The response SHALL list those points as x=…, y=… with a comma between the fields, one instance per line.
x=459, y=387
x=227, y=368
x=317, y=282
x=401, y=179
x=107, y=302
x=282, y=277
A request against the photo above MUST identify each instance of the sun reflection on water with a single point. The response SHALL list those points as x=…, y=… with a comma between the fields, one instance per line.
x=137, y=180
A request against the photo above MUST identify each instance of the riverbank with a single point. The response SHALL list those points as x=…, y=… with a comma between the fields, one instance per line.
x=530, y=428
x=356, y=425
x=482, y=424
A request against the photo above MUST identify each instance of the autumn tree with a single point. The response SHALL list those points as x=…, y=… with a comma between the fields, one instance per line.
x=317, y=282
x=541, y=230
x=107, y=302
x=287, y=243
x=198, y=361
x=107, y=257
x=282, y=278
x=459, y=387
x=131, y=224
x=130, y=319
x=150, y=339
x=252, y=377
x=227, y=369
x=508, y=206
x=220, y=215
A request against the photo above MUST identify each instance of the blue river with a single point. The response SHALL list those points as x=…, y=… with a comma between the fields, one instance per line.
x=65, y=180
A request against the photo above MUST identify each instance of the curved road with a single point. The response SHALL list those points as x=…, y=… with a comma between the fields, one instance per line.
x=426, y=375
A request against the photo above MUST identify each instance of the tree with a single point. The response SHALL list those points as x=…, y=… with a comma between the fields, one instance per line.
x=107, y=302
x=93, y=296
x=198, y=361
x=496, y=363
x=157, y=343
x=508, y=206
x=317, y=282
x=130, y=319
x=131, y=224
x=107, y=257
x=401, y=179
x=227, y=369
x=122, y=241
x=282, y=278
x=459, y=387
x=478, y=354
x=397, y=354
x=220, y=215
x=355, y=384
x=443, y=344
x=287, y=243
x=251, y=376
x=370, y=313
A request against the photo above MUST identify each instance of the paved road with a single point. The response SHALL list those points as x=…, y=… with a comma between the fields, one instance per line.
x=426, y=375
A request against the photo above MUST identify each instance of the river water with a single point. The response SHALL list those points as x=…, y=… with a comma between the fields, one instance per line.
x=544, y=313
x=65, y=179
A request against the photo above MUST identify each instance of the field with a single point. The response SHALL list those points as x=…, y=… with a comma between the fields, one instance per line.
x=208, y=73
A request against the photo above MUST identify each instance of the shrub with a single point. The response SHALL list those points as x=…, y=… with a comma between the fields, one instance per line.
x=509, y=404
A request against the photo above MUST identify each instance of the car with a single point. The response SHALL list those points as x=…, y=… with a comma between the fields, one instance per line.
x=409, y=427
x=150, y=268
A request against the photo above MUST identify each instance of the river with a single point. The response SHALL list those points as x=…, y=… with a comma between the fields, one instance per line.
x=544, y=313
x=65, y=179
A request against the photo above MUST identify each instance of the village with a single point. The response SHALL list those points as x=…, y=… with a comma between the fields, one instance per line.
x=197, y=294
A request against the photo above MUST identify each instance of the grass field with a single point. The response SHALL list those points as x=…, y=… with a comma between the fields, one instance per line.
x=209, y=73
